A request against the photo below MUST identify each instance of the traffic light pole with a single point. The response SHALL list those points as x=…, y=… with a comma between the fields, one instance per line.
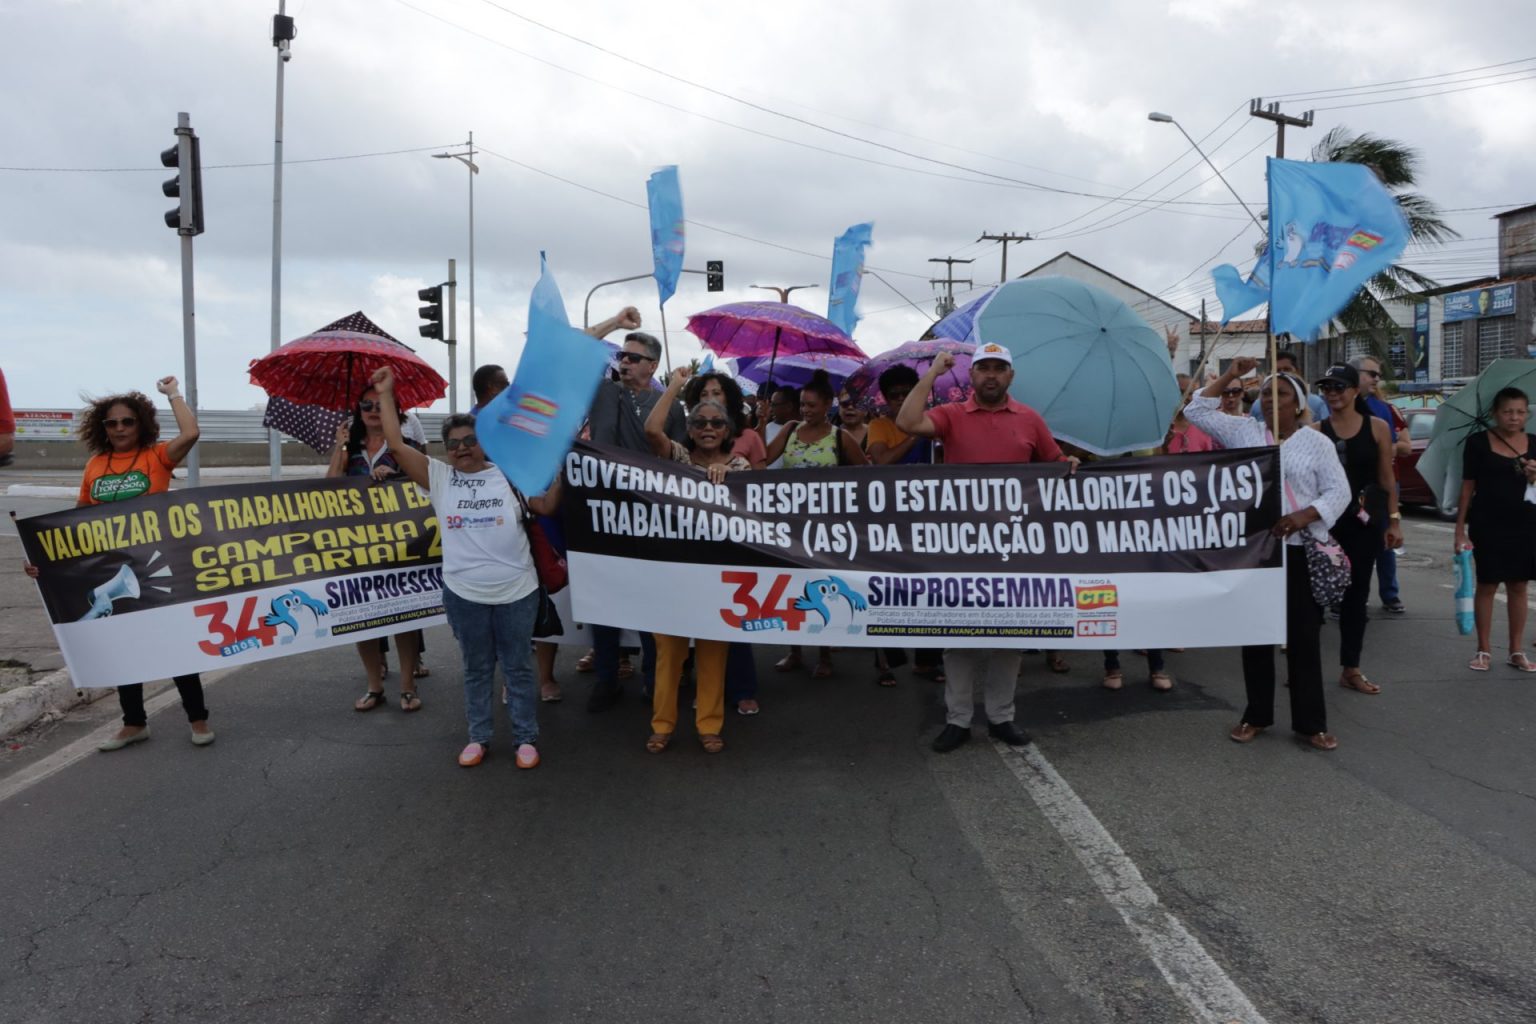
x=282, y=36
x=586, y=309
x=453, y=338
x=188, y=323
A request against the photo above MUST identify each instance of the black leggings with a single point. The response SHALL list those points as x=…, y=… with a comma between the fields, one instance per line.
x=1362, y=543
x=1303, y=658
x=190, y=688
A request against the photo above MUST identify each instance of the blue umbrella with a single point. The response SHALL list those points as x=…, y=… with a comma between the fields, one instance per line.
x=1083, y=360
x=961, y=324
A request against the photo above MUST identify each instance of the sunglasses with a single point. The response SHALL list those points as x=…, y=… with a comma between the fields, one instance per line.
x=1330, y=385
x=707, y=424
x=467, y=441
x=126, y=421
x=1232, y=391
x=369, y=405
x=1373, y=373
x=634, y=357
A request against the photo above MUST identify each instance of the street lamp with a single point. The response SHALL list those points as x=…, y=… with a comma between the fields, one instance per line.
x=467, y=158
x=783, y=292
x=1168, y=119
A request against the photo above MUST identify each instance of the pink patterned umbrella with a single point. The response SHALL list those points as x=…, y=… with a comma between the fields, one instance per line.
x=332, y=366
x=743, y=330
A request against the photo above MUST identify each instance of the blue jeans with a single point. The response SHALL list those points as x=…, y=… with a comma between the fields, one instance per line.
x=1386, y=574
x=487, y=632
x=741, y=673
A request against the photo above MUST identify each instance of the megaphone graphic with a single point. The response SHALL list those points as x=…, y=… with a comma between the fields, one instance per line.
x=124, y=584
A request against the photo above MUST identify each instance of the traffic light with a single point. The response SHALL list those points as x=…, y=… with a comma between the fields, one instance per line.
x=714, y=276
x=433, y=314
x=187, y=186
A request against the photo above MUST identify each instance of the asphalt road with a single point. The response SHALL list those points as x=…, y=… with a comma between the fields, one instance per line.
x=316, y=864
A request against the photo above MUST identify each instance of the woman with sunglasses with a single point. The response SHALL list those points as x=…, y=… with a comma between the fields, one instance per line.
x=1364, y=446
x=1316, y=492
x=708, y=448
x=363, y=449
x=1497, y=522
x=490, y=584
x=725, y=392
x=128, y=459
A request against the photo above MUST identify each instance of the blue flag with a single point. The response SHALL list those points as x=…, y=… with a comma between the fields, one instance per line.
x=527, y=429
x=1333, y=227
x=847, y=271
x=1236, y=295
x=665, y=197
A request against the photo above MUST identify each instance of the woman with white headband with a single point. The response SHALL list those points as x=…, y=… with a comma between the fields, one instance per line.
x=1316, y=493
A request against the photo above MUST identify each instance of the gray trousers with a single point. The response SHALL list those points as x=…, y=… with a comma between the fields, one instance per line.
x=997, y=673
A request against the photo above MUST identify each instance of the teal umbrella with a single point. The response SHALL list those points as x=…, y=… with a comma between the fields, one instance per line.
x=1085, y=361
x=1463, y=414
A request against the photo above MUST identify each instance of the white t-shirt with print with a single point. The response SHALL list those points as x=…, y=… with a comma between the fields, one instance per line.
x=486, y=558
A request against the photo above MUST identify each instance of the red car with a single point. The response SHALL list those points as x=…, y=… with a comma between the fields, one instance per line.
x=1421, y=423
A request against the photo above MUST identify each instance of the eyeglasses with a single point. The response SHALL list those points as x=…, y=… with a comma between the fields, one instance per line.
x=369, y=405
x=1330, y=386
x=126, y=421
x=633, y=357
x=1373, y=373
x=1232, y=391
x=467, y=441
x=699, y=423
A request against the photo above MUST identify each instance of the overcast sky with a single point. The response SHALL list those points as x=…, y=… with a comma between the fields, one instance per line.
x=935, y=121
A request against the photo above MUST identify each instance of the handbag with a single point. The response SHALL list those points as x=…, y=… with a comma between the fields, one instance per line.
x=1328, y=566
x=547, y=621
x=548, y=563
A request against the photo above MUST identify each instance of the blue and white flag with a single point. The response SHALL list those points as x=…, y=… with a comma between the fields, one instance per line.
x=665, y=197
x=527, y=429
x=1334, y=226
x=1237, y=295
x=847, y=272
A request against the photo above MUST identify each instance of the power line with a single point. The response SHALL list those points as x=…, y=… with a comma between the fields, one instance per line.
x=1428, y=95
x=695, y=223
x=1399, y=81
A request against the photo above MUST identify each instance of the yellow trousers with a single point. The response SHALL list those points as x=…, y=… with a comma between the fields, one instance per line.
x=708, y=669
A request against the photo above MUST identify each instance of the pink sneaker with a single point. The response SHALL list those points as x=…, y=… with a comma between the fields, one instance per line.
x=474, y=754
x=527, y=755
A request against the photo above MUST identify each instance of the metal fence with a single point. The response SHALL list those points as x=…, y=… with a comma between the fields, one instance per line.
x=240, y=426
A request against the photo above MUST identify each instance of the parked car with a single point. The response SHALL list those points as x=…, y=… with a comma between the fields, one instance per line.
x=1414, y=491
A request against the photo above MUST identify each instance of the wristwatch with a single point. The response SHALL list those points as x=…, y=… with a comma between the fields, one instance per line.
x=1395, y=515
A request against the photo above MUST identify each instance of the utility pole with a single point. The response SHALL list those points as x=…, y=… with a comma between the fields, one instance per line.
x=283, y=33
x=1271, y=112
x=946, y=303
x=1005, y=238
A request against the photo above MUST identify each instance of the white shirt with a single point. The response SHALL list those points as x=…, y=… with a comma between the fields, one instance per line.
x=771, y=431
x=1309, y=464
x=485, y=548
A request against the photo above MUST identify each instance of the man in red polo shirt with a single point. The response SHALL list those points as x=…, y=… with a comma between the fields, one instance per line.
x=988, y=427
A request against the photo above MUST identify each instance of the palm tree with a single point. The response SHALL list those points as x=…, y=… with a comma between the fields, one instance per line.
x=1397, y=165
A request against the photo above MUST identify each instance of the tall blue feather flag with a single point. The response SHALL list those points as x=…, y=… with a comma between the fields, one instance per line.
x=1333, y=227
x=1237, y=295
x=847, y=272
x=527, y=429
x=665, y=197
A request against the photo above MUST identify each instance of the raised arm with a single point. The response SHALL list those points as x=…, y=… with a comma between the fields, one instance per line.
x=656, y=423
x=413, y=462
x=177, y=447
x=913, y=416
x=1204, y=411
x=627, y=318
x=338, y=464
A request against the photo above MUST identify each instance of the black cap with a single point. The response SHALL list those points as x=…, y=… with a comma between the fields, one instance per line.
x=1343, y=374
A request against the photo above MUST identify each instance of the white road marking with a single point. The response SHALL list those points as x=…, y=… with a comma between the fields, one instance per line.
x=1437, y=527
x=85, y=746
x=1189, y=970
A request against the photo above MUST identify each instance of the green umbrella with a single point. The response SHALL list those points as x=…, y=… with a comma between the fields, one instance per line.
x=1463, y=414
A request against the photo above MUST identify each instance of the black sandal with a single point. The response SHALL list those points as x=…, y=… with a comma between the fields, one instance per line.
x=409, y=701
x=369, y=701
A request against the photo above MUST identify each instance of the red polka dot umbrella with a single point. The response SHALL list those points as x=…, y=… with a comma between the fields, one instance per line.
x=332, y=366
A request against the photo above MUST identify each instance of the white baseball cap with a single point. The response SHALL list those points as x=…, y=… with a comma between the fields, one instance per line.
x=991, y=350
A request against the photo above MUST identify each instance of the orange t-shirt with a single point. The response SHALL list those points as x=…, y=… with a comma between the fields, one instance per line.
x=119, y=476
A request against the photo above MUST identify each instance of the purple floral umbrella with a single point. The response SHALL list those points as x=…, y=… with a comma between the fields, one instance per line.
x=953, y=385
x=743, y=330
x=797, y=370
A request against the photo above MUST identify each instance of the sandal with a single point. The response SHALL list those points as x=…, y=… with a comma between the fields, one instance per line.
x=1113, y=679
x=626, y=670
x=586, y=662
x=369, y=701
x=409, y=701
x=549, y=693
x=712, y=743
x=1355, y=680
x=1521, y=663
x=1162, y=682
x=421, y=671
x=1245, y=733
x=823, y=670
x=788, y=663
x=747, y=707
x=1056, y=663
x=1320, y=741
x=886, y=678
x=658, y=742
x=1481, y=661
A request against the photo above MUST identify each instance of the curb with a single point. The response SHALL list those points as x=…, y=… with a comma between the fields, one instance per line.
x=55, y=693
